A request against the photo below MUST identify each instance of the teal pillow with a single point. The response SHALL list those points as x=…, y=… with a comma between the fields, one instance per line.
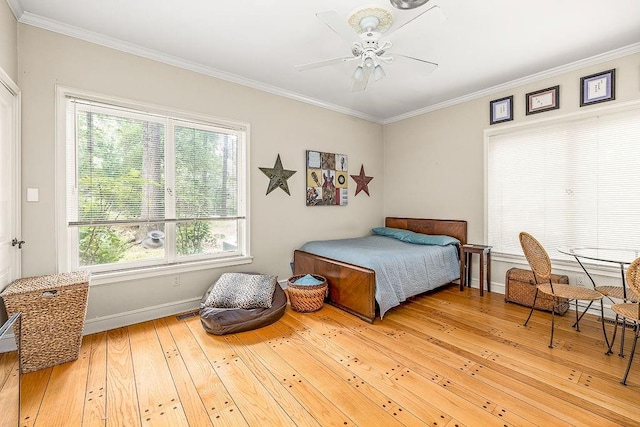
x=396, y=233
x=408, y=236
x=431, y=239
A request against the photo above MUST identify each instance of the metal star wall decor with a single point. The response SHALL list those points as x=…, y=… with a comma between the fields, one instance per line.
x=278, y=176
x=362, y=181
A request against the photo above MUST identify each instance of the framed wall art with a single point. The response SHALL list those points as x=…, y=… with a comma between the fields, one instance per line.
x=543, y=100
x=599, y=87
x=327, y=175
x=501, y=110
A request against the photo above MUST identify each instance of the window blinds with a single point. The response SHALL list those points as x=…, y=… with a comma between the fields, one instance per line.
x=573, y=183
x=127, y=167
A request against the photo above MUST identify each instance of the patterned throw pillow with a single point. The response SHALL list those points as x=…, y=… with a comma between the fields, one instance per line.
x=241, y=290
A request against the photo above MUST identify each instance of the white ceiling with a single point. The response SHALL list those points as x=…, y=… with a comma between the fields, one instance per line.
x=480, y=45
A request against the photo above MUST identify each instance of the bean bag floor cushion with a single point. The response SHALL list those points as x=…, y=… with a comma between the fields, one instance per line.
x=221, y=321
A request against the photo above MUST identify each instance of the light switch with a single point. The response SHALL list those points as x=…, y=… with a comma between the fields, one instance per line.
x=33, y=195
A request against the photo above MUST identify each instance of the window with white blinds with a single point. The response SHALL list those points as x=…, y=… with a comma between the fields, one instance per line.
x=148, y=189
x=572, y=182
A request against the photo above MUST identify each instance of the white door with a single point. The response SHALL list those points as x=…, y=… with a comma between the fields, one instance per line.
x=9, y=182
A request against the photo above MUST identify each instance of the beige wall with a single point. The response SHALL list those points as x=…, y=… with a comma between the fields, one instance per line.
x=428, y=166
x=8, y=41
x=434, y=163
x=279, y=223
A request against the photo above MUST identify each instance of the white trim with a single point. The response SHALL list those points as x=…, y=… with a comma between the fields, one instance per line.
x=16, y=156
x=140, y=315
x=8, y=83
x=553, y=72
x=16, y=8
x=79, y=33
x=106, y=323
x=64, y=237
x=163, y=270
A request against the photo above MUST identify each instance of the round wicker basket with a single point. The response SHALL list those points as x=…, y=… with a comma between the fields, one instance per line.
x=306, y=298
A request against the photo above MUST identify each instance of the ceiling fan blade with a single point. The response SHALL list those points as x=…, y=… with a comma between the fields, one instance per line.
x=312, y=65
x=434, y=12
x=361, y=84
x=426, y=67
x=339, y=25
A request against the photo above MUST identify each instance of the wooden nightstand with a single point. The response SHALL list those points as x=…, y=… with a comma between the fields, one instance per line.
x=466, y=252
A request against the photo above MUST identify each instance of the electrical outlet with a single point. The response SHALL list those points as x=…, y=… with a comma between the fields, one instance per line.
x=176, y=281
x=580, y=279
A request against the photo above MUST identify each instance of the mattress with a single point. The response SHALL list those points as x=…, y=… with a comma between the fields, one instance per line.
x=402, y=269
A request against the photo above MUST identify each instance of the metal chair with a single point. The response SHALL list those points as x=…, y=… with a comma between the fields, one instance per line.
x=540, y=263
x=630, y=311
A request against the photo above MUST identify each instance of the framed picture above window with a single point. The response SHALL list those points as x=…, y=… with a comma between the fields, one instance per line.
x=543, y=100
x=501, y=110
x=599, y=87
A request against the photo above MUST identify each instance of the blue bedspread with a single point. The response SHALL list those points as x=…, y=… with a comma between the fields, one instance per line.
x=402, y=269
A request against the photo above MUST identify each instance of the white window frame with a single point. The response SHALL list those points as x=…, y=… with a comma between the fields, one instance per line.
x=558, y=259
x=66, y=238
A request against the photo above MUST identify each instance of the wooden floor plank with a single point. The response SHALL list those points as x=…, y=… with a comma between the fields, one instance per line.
x=69, y=380
x=316, y=403
x=32, y=388
x=251, y=398
x=312, y=368
x=122, y=400
x=95, y=402
x=439, y=365
x=9, y=390
x=404, y=404
x=190, y=400
x=445, y=358
x=215, y=397
x=157, y=394
x=294, y=409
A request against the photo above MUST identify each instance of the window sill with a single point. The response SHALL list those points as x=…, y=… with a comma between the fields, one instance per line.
x=564, y=265
x=147, y=272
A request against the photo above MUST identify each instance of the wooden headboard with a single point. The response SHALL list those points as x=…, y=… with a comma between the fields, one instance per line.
x=447, y=227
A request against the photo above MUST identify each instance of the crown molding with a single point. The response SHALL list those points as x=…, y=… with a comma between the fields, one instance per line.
x=16, y=8
x=113, y=43
x=79, y=33
x=553, y=72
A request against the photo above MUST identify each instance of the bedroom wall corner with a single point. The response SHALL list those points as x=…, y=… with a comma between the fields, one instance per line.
x=434, y=163
x=8, y=42
x=279, y=223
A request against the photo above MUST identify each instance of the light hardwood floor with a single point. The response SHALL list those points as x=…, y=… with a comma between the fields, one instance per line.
x=448, y=358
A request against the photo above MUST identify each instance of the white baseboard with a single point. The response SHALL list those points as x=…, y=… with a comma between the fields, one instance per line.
x=100, y=324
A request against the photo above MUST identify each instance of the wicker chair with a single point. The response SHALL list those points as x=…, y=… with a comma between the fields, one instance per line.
x=618, y=293
x=630, y=311
x=540, y=263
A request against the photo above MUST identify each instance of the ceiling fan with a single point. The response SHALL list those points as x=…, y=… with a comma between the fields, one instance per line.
x=364, y=30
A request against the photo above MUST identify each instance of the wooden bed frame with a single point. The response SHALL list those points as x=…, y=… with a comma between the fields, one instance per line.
x=353, y=288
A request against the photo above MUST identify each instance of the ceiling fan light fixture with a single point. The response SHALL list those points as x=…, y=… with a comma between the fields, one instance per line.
x=378, y=73
x=407, y=4
x=358, y=74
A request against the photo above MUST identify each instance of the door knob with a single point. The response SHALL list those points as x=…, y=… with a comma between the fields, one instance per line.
x=17, y=242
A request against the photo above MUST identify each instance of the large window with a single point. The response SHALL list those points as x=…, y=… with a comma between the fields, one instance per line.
x=569, y=182
x=149, y=189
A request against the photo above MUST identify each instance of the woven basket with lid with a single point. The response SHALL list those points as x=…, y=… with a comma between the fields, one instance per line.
x=307, y=298
x=53, y=310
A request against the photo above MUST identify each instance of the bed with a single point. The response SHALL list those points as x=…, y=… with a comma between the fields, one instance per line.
x=352, y=285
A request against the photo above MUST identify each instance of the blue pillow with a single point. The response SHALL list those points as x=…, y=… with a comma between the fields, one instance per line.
x=431, y=239
x=396, y=233
x=408, y=236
